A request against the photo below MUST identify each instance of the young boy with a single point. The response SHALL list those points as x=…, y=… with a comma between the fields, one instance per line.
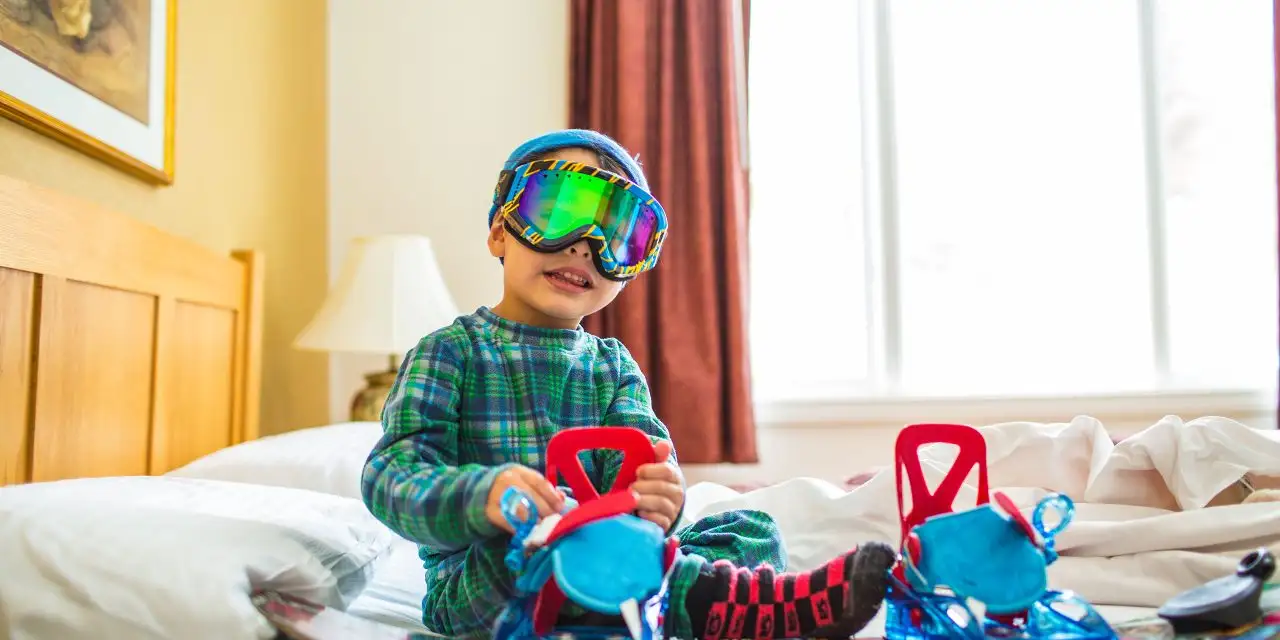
x=476, y=403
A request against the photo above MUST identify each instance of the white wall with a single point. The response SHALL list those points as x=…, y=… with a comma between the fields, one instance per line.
x=426, y=99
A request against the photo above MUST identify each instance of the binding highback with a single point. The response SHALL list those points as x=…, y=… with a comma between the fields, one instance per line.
x=924, y=503
x=563, y=461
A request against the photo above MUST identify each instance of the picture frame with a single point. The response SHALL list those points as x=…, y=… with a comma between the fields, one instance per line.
x=96, y=75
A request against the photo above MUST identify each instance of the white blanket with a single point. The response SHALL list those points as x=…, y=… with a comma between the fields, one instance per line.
x=1141, y=531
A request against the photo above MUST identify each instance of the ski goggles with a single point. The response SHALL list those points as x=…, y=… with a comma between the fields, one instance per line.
x=552, y=204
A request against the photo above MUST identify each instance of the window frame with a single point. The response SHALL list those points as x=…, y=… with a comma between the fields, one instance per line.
x=885, y=403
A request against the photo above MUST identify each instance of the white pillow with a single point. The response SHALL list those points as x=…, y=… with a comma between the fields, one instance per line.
x=327, y=459
x=156, y=557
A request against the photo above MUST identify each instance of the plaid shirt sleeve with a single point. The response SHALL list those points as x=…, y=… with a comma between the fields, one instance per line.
x=411, y=481
x=632, y=407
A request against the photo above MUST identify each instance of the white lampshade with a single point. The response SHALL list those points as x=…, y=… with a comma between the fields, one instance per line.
x=388, y=296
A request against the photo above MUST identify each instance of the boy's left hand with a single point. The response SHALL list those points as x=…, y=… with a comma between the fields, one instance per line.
x=661, y=489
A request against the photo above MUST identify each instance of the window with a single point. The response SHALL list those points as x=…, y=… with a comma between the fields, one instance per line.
x=1011, y=199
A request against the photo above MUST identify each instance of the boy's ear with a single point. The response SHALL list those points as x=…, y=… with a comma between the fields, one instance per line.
x=498, y=239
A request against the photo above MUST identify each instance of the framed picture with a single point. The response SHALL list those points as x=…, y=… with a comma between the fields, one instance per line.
x=97, y=75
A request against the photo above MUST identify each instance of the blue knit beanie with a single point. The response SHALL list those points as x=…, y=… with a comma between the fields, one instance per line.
x=583, y=138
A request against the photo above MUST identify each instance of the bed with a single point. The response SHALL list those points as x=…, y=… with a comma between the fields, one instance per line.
x=137, y=499
x=127, y=353
x=1145, y=526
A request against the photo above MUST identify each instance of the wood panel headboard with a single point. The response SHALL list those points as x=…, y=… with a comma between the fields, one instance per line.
x=123, y=350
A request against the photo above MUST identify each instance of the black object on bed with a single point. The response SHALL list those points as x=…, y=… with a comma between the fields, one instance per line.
x=1226, y=603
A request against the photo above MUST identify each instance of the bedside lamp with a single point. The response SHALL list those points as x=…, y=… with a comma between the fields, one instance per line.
x=388, y=295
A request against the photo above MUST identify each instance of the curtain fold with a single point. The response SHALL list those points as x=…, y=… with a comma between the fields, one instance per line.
x=666, y=78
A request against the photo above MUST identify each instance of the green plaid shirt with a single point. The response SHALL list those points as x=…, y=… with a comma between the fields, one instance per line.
x=475, y=396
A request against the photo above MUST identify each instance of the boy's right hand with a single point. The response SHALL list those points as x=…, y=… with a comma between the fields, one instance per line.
x=545, y=497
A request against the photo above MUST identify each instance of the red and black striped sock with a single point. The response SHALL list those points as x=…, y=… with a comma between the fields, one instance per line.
x=832, y=601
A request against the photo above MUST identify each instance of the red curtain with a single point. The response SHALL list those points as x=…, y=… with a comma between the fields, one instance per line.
x=666, y=78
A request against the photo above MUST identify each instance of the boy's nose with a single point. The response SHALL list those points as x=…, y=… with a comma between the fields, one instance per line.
x=580, y=248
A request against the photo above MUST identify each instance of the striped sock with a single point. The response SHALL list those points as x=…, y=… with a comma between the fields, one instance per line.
x=833, y=601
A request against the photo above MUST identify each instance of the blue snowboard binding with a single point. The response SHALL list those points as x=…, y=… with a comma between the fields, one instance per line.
x=594, y=554
x=979, y=573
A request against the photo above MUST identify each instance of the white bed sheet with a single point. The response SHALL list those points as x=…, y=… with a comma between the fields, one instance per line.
x=394, y=594
x=1142, y=532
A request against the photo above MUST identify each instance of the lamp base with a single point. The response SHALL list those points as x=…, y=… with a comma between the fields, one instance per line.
x=366, y=406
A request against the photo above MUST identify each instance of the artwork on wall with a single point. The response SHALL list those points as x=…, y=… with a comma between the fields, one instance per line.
x=97, y=75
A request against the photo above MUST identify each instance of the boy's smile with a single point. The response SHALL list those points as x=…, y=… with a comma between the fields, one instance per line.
x=572, y=280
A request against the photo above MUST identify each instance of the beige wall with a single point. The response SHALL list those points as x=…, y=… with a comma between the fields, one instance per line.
x=250, y=170
x=426, y=100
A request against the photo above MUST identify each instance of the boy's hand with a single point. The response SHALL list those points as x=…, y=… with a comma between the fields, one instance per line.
x=545, y=497
x=660, y=488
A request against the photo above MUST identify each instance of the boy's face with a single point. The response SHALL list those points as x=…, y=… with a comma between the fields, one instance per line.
x=553, y=289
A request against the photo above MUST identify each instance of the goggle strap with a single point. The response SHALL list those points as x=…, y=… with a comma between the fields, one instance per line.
x=505, y=178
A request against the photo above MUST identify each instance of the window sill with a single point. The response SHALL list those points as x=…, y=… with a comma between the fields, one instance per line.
x=1255, y=407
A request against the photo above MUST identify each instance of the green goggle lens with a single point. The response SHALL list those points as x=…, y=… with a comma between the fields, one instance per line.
x=553, y=204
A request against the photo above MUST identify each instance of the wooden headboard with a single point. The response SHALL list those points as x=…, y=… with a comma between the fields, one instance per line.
x=123, y=350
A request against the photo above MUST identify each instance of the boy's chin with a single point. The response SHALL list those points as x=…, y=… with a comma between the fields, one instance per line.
x=565, y=306
x=565, y=310
x=568, y=308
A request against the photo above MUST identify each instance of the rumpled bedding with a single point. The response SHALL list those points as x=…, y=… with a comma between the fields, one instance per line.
x=1142, y=530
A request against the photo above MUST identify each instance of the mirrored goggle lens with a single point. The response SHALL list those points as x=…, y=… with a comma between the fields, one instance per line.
x=559, y=204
